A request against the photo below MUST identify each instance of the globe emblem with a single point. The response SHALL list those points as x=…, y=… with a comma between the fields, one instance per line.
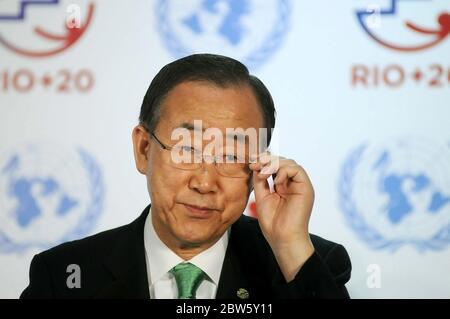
x=248, y=30
x=398, y=194
x=48, y=195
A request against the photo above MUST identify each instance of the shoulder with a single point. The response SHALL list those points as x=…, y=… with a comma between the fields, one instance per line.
x=98, y=246
x=93, y=260
x=90, y=248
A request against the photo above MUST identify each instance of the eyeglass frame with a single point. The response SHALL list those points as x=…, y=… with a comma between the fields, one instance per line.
x=169, y=148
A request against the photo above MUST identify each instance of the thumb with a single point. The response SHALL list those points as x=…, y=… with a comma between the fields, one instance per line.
x=260, y=186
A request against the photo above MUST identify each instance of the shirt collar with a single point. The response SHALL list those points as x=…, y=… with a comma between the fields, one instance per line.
x=160, y=259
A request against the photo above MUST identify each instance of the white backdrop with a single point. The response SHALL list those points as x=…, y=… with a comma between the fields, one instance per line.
x=362, y=101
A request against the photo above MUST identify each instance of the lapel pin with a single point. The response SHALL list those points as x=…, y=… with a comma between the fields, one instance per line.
x=242, y=293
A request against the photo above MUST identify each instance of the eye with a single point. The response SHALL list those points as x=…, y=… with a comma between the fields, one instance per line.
x=187, y=148
x=230, y=158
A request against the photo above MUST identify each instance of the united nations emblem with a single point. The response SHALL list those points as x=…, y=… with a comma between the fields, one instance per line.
x=48, y=195
x=398, y=194
x=247, y=30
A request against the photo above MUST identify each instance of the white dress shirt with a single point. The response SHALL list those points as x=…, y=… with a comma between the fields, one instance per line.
x=160, y=260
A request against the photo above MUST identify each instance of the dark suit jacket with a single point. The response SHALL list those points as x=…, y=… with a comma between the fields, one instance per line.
x=113, y=265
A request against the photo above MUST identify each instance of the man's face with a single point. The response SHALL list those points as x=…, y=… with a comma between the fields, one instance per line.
x=173, y=191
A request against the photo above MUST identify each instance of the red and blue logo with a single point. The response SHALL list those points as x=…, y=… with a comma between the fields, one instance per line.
x=407, y=25
x=22, y=30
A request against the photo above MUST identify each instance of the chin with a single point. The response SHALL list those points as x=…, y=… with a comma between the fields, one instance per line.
x=191, y=241
x=196, y=234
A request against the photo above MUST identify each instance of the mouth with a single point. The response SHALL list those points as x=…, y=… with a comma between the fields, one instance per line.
x=199, y=211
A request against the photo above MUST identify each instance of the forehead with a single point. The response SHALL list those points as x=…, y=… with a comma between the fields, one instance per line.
x=218, y=107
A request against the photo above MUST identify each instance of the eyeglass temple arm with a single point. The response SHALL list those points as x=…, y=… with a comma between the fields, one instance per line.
x=159, y=142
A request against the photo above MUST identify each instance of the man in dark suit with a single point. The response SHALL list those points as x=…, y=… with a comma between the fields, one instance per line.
x=193, y=241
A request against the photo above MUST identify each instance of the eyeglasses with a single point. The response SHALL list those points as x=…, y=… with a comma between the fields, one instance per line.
x=186, y=157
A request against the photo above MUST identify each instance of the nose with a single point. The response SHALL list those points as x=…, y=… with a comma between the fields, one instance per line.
x=204, y=180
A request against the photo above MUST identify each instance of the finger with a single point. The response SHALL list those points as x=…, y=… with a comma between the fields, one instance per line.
x=258, y=161
x=271, y=164
x=271, y=168
x=291, y=172
x=276, y=166
x=260, y=186
x=264, y=157
x=267, y=165
x=257, y=171
x=255, y=166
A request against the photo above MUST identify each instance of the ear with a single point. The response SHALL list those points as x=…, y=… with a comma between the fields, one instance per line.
x=141, y=147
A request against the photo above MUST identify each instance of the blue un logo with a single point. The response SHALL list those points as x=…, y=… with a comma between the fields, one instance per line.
x=248, y=30
x=48, y=195
x=398, y=194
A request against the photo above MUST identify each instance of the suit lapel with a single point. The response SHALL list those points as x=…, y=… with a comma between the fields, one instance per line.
x=233, y=283
x=127, y=263
x=247, y=268
x=232, y=277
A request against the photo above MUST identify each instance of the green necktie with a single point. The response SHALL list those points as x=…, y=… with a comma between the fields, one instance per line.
x=188, y=278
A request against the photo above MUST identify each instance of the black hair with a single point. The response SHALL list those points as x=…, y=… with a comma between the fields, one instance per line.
x=217, y=69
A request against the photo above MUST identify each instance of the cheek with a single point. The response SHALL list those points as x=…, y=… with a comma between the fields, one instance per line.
x=236, y=199
x=163, y=184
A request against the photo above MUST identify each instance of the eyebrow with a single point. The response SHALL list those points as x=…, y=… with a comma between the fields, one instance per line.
x=191, y=127
x=188, y=126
